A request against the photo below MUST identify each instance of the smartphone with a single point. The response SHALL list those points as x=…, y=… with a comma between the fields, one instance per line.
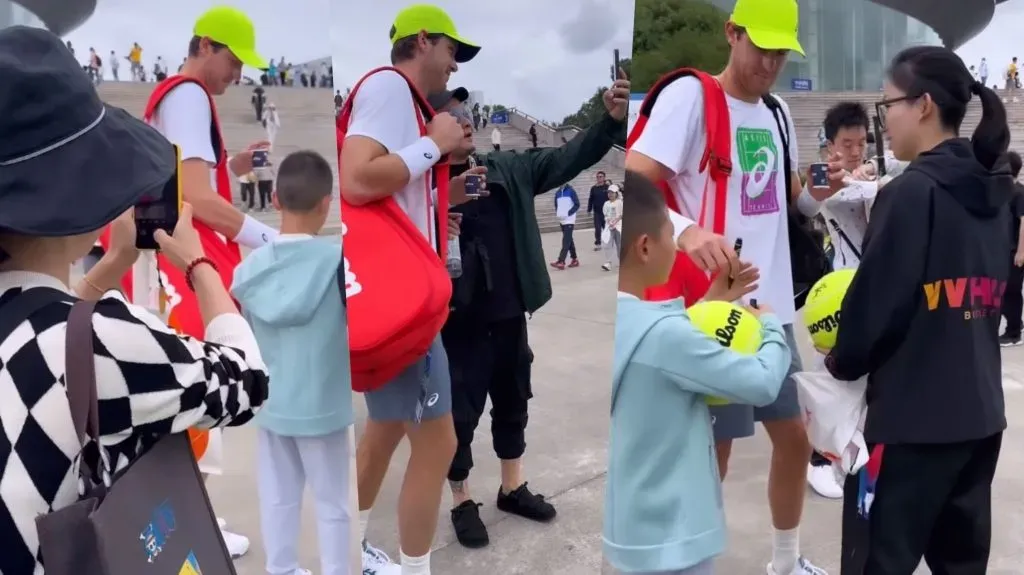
x=260, y=158
x=615, y=66
x=473, y=184
x=819, y=175
x=159, y=211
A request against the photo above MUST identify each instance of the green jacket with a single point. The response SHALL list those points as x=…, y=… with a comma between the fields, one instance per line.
x=529, y=173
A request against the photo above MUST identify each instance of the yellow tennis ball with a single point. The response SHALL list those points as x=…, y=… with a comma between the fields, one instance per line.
x=730, y=325
x=823, y=305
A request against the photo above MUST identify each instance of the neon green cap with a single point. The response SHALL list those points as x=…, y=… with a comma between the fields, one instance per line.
x=771, y=24
x=432, y=20
x=231, y=27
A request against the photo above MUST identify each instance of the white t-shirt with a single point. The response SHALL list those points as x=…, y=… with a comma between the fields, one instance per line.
x=756, y=205
x=184, y=118
x=847, y=211
x=384, y=111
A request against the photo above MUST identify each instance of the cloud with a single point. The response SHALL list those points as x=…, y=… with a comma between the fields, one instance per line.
x=541, y=56
x=997, y=43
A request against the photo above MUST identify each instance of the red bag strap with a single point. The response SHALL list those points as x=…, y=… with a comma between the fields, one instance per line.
x=425, y=113
x=172, y=82
x=717, y=156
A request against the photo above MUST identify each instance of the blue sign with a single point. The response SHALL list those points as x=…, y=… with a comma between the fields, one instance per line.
x=499, y=117
x=800, y=84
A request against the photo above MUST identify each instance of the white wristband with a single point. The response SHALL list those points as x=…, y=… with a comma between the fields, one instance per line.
x=419, y=156
x=806, y=203
x=255, y=233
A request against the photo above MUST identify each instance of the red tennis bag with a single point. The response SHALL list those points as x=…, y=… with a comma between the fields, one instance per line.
x=183, y=314
x=687, y=279
x=396, y=283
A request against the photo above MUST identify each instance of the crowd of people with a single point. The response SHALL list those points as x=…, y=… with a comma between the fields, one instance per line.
x=933, y=208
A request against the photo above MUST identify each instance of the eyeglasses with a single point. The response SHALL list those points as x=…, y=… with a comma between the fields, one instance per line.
x=882, y=107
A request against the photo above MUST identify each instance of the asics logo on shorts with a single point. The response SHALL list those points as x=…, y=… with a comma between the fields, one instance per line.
x=432, y=400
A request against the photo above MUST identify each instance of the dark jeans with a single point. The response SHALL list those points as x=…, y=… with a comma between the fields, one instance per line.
x=248, y=193
x=265, y=188
x=492, y=359
x=1013, y=301
x=931, y=501
x=598, y=226
x=568, y=243
x=497, y=147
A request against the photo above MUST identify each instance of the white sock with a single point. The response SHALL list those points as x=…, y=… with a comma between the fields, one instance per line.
x=415, y=565
x=785, y=550
x=364, y=520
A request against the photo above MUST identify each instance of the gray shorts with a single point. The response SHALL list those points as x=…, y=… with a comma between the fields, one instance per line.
x=422, y=391
x=735, y=421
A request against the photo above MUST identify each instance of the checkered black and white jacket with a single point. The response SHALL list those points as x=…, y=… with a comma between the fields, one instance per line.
x=151, y=382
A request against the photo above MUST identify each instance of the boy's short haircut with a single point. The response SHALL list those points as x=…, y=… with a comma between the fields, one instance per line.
x=644, y=211
x=304, y=179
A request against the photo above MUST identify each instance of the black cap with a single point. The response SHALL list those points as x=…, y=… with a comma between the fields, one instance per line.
x=441, y=99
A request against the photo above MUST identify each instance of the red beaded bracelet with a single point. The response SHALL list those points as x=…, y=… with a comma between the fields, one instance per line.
x=192, y=267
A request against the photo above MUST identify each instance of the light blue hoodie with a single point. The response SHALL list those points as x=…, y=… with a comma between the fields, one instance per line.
x=289, y=292
x=663, y=500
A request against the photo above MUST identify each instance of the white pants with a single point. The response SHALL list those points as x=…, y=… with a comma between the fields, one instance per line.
x=286, y=465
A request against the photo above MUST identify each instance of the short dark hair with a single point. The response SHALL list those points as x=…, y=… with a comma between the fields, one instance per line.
x=643, y=208
x=1015, y=162
x=405, y=49
x=845, y=115
x=193, y=46
x=601, y=173
x=304, y=179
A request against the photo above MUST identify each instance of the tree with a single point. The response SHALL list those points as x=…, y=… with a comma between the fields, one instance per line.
x=670, y=34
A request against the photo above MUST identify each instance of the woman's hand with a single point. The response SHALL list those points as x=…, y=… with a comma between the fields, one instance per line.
x=122, y=240
x=725, y=289
x=183, y=247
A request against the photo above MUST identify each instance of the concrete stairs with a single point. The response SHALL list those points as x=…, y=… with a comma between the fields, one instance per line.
x=307, y=123
x=809, y=108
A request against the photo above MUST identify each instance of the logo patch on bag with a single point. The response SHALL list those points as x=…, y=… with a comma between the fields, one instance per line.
x=155, y=535
x=191, y=566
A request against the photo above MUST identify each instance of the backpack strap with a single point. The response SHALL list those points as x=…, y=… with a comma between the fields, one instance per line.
x=782, y=123
x=717, y=156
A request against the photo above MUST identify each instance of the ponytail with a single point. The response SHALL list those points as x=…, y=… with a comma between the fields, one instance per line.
x=991, y=138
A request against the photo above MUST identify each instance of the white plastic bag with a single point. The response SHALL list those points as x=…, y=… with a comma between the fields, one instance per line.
x=606, y=236
x=834, y=413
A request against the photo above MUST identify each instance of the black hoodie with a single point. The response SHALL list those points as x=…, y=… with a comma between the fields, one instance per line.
x=921, y=317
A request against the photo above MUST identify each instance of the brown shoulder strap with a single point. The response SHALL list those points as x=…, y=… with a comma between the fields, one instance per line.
x=80, y=371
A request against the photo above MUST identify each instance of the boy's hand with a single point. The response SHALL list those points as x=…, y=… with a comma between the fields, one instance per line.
x=744, y=282
x=454, y=225
x=759, y=310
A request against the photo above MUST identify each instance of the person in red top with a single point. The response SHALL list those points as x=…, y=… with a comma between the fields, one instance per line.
x=183, y=110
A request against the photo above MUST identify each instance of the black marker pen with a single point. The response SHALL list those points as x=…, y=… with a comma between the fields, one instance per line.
x=737, y=247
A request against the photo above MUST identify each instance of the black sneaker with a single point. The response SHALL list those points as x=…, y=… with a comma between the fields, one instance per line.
x=469, y=529
x=1009, y=340
x=523, y=503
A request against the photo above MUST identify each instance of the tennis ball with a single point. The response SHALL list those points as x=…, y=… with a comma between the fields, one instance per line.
x=730, y=325
x=822, y=308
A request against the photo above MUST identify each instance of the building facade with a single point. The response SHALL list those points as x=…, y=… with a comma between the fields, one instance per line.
x=13, y=14
x=848, y=44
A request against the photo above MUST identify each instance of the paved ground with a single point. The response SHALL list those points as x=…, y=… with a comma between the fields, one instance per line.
x=566, y=458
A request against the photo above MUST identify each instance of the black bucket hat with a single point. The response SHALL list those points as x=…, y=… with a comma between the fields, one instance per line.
x=69, y=164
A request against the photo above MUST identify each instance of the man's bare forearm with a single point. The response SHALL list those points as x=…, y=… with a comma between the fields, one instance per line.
x=377, y=179
x=216, y=212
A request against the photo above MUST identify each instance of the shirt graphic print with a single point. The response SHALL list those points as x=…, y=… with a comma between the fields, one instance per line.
x=758, y=155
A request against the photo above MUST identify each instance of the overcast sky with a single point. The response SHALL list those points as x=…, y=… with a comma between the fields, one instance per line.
x=294, y=29
x=999, y=42
x=544, y=57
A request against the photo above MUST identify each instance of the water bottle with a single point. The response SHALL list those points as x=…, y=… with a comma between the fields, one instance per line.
x=454, y=262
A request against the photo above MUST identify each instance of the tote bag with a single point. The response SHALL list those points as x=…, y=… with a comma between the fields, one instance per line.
x=154, y=517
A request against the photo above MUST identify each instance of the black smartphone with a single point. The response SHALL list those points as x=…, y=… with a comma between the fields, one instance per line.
x=473, y=185
x=260, y=158
x=819, y=175
x=159, y=211
x=615, y=66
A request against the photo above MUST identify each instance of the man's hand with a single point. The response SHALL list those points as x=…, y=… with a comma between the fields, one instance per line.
x=446, y=131
x=836, y=175
x=241, y=163
x=710, y=251
x=454, y=225
x=616, y=98
x=1018, y=258
x=726, y=288
x=457, y=187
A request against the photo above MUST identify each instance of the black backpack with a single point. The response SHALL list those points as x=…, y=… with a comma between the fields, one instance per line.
x=806, y=244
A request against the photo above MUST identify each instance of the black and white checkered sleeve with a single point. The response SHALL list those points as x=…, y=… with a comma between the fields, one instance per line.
x=153, y=380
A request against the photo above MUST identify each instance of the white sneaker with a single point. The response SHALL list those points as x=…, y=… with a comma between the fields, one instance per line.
x=221, y=523
x=377, y=562
x=237, y=545
x=823, y=481
x=802, y=567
